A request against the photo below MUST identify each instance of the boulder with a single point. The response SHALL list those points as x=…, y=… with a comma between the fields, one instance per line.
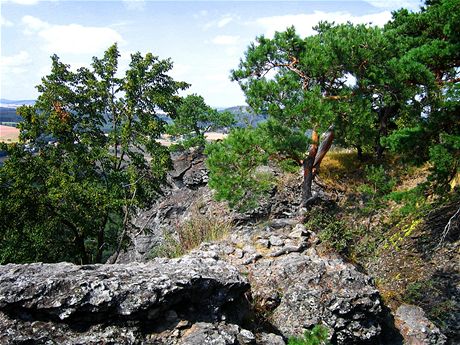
x=293, y=288
x=189, y=169
x=152, y=302
x=416, y=328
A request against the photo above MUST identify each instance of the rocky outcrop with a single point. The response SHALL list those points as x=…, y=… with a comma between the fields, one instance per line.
x=266, y=281
x=187, y=193
x=259, y=286
x=157, y=302
x=416, y=328
x=294, y=288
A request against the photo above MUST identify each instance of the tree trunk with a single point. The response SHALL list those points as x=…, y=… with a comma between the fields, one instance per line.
x=80, y=244
x=326, y=142
x=308, y=169
x=101, y=239
x=115, y=255
x=384, y=116
x=359, y=150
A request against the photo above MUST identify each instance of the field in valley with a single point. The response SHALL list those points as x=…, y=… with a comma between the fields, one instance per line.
x=9, y=134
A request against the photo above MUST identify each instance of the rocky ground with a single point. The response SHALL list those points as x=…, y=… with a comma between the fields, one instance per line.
x=268, y=279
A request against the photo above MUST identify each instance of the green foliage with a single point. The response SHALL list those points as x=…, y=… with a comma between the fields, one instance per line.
x=333, y=231
x=194, y=118
x=445, y=159
x=411, y=200
x=233, y=169
x=92, y=132
x=378, y=185
x=394, y=87
x=345, y=235
x=430, y=51
x=411, y=142
x=433, y=296
x=318, y=335
x=379, y=181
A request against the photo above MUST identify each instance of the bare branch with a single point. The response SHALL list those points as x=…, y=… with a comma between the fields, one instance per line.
x=447, y=228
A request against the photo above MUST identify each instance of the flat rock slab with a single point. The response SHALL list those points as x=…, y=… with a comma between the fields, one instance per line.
x=113, y=303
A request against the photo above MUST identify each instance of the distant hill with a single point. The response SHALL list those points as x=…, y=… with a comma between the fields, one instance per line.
x=245, y=116
x=8, y=103
x=9, y=115
x=8, y=110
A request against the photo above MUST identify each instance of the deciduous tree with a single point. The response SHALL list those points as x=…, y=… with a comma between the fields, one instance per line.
x=194, y=118
x=97, y=158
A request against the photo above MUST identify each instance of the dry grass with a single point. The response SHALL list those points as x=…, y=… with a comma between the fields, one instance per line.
x=341, y=168
x=9, y=134
x=201, y=228
x=191, y=233
x=167, y=140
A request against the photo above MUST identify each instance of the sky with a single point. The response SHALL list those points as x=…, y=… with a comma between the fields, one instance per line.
x=204, y=39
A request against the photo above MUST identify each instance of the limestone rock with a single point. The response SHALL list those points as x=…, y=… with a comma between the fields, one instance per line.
x=189, y=169
x=416, y=328
x=298, y=289
x=124, y=304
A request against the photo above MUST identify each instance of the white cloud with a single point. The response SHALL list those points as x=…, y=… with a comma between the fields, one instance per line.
x=15, y=63
x=180, y=71
x=43, y=70
x=224, y=21
x=304, y=22
x=395, y=5
x=71, y=38
x=225, y=40
x=136, y=5
x=218, y=77
x=5, y=22
x=22, y=2
x=201, y=14
x=33, y=24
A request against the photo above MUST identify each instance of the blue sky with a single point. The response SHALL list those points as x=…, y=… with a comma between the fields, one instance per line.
x=205, y=39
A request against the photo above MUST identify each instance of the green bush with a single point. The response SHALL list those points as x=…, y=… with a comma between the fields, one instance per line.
x=412, y=200
x=379, y=180
x=432, y=296
x=316, y=336
x=378, y=185
x=354, y=240
x=445, y=160
x=233, y=172
x=410, y=142
x=332, y=231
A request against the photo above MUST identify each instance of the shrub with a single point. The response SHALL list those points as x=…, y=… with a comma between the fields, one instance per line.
x=201, y=228
x=411, y=199
x=332, y=231
x=316, y=336
x=232, y=167
x=380, y=182
x=349, y=238
x=433, y=295
x=445, y=160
